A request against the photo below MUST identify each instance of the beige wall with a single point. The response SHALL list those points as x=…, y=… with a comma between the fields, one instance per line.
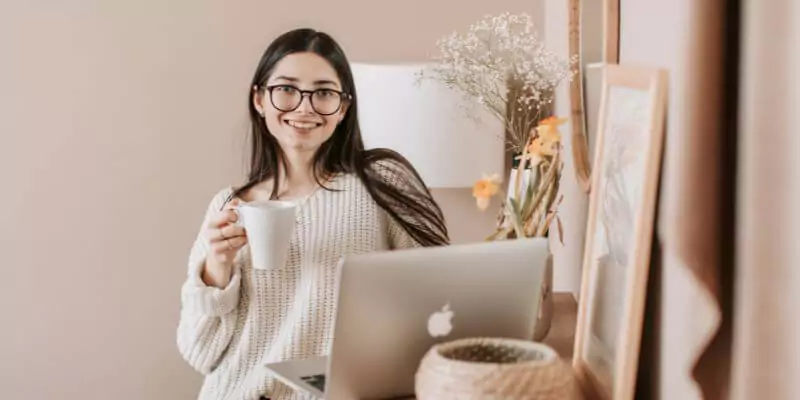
x=118, y=121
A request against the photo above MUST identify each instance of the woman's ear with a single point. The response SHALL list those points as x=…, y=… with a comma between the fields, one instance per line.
x=258, y=100
x=343, y=111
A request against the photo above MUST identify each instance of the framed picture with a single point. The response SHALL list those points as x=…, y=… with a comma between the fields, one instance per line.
x=619, y=235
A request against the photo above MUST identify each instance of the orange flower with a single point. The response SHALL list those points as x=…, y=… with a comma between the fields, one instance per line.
x=484, y=189
x=541, y=147
x=548, y=133
x=552, y=121
x=546, y=140
x=548, y=129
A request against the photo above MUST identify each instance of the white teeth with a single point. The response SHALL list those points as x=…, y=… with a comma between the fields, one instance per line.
x=303, y=125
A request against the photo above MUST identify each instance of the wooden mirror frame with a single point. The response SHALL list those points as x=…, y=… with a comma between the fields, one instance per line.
x=610, y=54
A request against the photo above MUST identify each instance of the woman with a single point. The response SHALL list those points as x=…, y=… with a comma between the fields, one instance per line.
x=306, y=147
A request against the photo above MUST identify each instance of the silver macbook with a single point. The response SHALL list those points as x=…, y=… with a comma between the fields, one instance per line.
x=393, y=306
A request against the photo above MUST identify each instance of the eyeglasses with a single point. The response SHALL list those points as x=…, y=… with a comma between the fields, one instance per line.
x=288, y=98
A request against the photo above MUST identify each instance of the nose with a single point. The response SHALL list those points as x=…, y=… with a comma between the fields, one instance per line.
x=305, y=104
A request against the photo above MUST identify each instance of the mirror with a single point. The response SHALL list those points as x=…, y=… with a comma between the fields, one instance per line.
x=594, y=41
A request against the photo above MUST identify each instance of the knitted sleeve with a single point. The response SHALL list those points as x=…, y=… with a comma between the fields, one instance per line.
x=208, y=314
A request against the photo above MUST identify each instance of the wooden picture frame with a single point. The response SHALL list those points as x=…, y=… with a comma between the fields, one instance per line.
x=593, y=38
x=620, y=230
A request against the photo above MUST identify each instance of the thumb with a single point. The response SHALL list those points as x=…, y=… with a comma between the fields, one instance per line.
x=234, y=202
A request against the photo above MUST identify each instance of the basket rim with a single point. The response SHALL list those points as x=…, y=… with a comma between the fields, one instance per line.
x=550, y=355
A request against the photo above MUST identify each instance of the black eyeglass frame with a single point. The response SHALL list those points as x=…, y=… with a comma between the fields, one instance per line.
x=343, y=96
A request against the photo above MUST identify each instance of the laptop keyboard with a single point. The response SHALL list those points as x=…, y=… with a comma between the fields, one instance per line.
x=317, y=381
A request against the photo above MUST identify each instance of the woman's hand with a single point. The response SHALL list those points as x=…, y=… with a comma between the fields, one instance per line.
x=226, y=239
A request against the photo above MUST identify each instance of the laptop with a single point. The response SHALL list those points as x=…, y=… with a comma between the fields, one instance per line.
x=393, y=306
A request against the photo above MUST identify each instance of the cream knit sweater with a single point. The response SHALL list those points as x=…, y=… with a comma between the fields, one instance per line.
x=265, y=316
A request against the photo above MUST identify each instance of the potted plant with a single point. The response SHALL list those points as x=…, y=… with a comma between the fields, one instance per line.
x=501, y=66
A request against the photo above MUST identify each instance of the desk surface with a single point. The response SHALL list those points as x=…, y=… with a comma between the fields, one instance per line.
x=562, y=329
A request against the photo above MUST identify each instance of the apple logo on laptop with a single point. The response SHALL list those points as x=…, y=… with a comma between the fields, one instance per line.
x=440, y=323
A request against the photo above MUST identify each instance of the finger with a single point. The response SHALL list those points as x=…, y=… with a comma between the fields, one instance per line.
x=221, y=249
x=223, y=218
x=231, y=231
x=226, y=232
x=233, y=203
x=237, y=242
x=215, y=235
x=224, y=247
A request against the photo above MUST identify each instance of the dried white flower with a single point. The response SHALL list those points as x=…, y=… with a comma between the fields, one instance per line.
x=498, y=60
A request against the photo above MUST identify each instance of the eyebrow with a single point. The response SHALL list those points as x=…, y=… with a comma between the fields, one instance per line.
x=319, y=82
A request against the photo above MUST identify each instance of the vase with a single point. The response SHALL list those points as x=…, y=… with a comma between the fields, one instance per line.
x=545, y=312
x=494, y=368
x=544, y=318
x=524, y=181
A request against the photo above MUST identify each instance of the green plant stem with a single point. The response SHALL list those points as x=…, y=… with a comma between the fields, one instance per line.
x=546, y=206
x=515, y=218
x=533, y=184
x=546, y=181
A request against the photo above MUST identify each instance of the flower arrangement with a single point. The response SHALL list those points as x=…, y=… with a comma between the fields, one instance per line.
x=501, y=66
x=531, y=202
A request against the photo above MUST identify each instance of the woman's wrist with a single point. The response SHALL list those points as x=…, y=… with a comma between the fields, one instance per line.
x=215, y=274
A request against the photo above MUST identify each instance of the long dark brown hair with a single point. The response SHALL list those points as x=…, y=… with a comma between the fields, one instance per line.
x=390, y=179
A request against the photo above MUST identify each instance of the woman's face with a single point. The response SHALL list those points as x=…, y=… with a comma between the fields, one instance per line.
x=299, y=120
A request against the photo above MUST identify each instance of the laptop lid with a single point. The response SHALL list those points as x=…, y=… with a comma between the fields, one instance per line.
x=393, y=306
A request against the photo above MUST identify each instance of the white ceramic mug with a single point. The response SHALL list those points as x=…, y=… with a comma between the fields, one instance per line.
x=270, y=227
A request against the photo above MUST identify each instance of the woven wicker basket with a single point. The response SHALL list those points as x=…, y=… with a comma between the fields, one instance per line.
x=492, y=368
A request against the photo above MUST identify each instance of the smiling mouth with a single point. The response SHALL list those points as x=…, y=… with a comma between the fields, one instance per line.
x=303, y=124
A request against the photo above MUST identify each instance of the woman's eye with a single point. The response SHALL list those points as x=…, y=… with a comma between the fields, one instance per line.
x=325, y=93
